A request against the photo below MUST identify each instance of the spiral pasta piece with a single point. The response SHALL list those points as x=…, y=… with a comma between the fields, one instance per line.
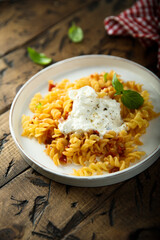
x=97, y=168
x=36, y=100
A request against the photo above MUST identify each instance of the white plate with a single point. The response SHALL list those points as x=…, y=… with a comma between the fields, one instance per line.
x=75, y=68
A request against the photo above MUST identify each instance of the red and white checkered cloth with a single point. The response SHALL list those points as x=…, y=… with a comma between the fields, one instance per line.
x=141, y=21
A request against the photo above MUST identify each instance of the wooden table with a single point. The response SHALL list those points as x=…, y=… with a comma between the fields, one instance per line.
x=32, y=206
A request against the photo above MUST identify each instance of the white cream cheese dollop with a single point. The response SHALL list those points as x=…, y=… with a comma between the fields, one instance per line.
x=92, y=113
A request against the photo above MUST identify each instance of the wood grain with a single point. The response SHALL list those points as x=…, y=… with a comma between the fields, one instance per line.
x=11, y=161
x=33, y=207
x=99, y=212
x=26, y=20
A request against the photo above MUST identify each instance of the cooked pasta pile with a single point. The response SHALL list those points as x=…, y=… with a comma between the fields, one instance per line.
x=96, y=155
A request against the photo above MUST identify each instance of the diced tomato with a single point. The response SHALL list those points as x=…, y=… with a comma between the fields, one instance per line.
x=48, y=140
x=50, y=86
x=115, y=169
x=66, y=115
x=63, y=159
x=96, y=132
x=49, y=137
x=120, y=150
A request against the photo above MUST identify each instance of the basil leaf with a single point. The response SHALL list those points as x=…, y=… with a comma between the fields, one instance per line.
x=117, y=84
x=132, y=99
x=105, y=77
x=39, y=58
x=75, y=33
x=117, y=93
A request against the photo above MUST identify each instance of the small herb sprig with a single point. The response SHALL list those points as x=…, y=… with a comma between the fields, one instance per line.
x=105, y=77
x=131, y=99
x=39, y=58
x=75, y=33
x=39, y=105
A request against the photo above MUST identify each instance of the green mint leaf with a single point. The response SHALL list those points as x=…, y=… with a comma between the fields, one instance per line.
x=39, y=58
x=117, y=84
x=75, y=33
x=39, y=105
x=105, y=77
x=132, y=99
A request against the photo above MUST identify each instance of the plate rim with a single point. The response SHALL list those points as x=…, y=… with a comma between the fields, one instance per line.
x=31, y=160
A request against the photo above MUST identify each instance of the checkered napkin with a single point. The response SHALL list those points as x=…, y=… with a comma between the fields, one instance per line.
x=141, y=21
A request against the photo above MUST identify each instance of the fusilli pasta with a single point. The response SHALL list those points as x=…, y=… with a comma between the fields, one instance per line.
x=96, y=155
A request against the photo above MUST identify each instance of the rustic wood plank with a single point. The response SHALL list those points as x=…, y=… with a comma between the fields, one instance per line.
x=20, y=201
x=124, y=213
x=24, y=20
x=130, y=48
x=11, y=162
x=42, y=208
x=20, y=68
x=128, y=213
x=35, y=195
